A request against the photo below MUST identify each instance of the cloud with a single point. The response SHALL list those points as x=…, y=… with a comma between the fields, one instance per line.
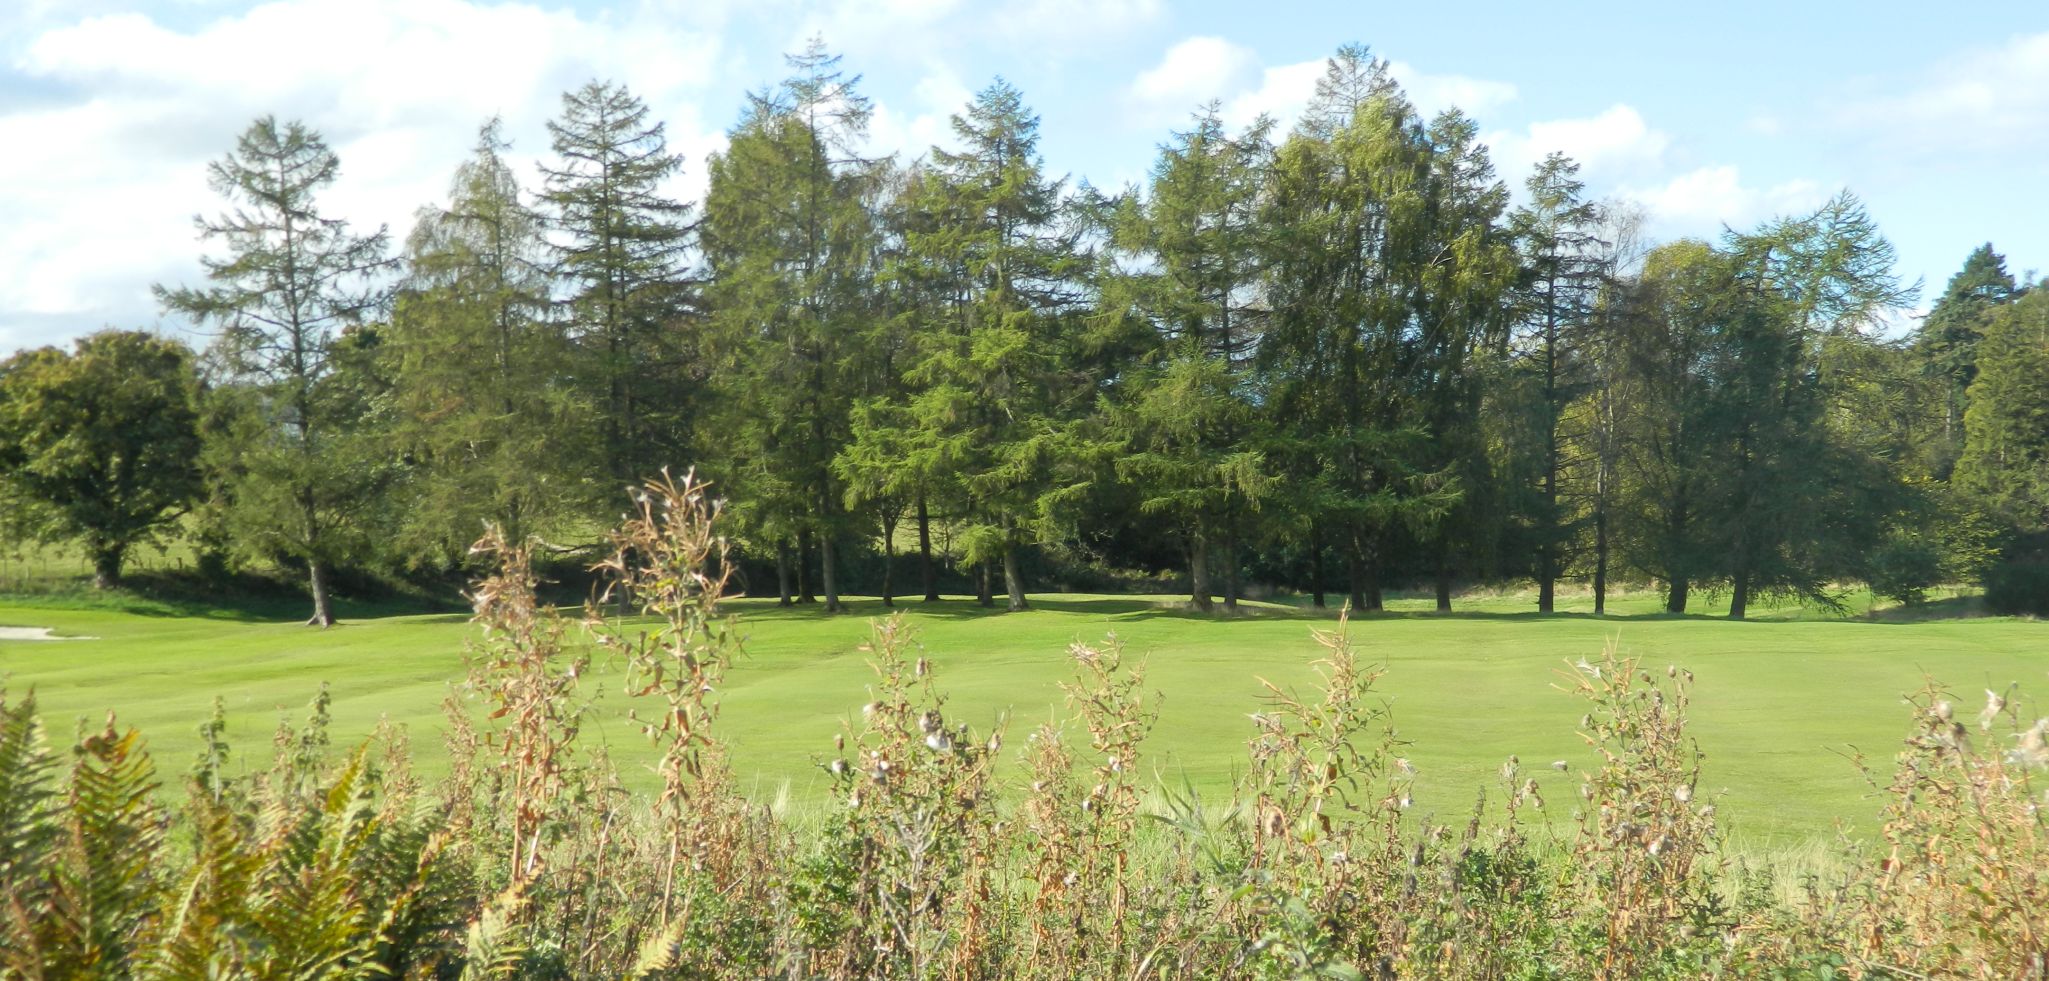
x=1284, y=91
x=1435, y=93
x=1192, y=73
x=1993, y=99
x=1699, y=202
x=1615, y=144
x=910, y=133
x=104, y=174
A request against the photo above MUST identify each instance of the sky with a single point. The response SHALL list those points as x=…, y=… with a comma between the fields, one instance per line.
x=1707, y=115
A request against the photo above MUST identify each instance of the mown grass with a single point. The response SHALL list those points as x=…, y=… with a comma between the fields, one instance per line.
x=1781, y=700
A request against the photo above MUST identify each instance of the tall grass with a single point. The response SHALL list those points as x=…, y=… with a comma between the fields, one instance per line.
x=530, y=860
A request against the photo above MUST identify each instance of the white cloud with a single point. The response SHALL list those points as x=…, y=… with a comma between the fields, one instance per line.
x=1191, y=73
x=1991, y=99
x=1435, y=93
x=928, y=122
x=1282, y=93
x=1615, y=144
x=1700, y=202
x=99, y=190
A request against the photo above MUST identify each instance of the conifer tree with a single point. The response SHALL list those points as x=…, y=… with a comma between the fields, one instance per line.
x=292, y=282
x=1564, y=265
x=621, y=260
x=994, y=394
x=483, y=404
x=791, y=242
x=1191, y=271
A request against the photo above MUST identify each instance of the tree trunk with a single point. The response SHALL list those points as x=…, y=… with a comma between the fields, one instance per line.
x=106, y=566
x=804, y=594
x=1601, y=562
x=1355, y=577
x=982, y=594
x=1443, y=584
x=1198, y=573
x=1675, y=595
x=828, y=577
x=925, y=570
x=890, y=516
x=1370, y=585
x=1316, y=567
x=1739, y=595
x=323, y=610
x=1231, y=582
x=1547, y=581
x=782, y=572
x=1013, y=580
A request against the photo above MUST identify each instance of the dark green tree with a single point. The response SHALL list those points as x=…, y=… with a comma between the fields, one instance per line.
x=102, y=443
x=621, y=262
x=2005, y=464
x=1185, y=263
x=1565, y=264
x=1947, y=342
x=791, y=241
x=993, y=389
x=292, y=281
x=481, y=402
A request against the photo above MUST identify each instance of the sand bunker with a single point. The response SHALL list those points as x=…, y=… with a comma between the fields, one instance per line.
x=33, y=633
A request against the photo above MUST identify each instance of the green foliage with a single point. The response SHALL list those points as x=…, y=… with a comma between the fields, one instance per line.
x=2005, y=463
x=2018, y=587
x=494, y=430
x=620, y=261
x=294, y=472
x=102, y=442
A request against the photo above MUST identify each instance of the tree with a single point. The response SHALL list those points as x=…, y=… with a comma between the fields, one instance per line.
x=1947, y=340
x=1564, y=267
x=103, y=442
x=292, y=281
x=1349, y=210
x=791, y=242
x=991, y=397
x=2005, y=463
x=1191, y=266
x=482, y=403
x=621, y=256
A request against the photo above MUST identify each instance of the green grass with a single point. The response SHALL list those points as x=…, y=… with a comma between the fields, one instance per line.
x=1780, y=700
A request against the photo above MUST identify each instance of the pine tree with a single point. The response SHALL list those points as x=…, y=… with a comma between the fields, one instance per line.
x=483, y=405
x=1565, y=263
x=1947, y=341
x=791, y=243
x=622, y=262
x=2005, y=464
x=1189, y=271
x=292, y=282
x=1349, y=211
x=993, y=395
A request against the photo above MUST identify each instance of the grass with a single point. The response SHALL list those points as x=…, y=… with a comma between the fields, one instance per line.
x=1781, y=700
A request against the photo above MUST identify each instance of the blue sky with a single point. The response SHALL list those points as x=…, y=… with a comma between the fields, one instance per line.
x=1704, y=114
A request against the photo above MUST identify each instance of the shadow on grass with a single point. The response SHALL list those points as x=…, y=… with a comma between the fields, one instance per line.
x=240, y=599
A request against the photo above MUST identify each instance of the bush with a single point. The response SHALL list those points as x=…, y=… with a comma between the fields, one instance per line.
x=2018, y=587
x=1904, y=569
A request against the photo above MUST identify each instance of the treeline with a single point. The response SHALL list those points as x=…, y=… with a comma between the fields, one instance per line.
x=1335, y=358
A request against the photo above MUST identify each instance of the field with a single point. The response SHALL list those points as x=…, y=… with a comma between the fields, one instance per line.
x=1782, y=701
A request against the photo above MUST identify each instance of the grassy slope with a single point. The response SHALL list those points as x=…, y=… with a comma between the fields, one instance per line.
x=1777, y=699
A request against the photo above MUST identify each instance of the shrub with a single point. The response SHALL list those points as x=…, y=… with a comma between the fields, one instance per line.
x=2018, y=587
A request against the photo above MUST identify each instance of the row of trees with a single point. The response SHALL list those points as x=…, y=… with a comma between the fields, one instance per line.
x=1334, y=358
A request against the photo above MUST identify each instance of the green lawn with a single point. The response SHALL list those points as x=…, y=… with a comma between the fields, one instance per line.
x=1779, y=700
